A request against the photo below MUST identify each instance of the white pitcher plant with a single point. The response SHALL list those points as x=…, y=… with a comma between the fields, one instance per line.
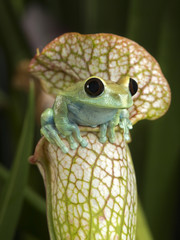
x=91, y=190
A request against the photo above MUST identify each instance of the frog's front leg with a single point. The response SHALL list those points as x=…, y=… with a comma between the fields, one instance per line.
x=49, y=131
x=111, y=127
x=125, y=123
x=103, y=131
x=64, y=126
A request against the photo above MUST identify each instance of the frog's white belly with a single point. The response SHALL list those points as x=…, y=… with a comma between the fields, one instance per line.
x=86, y=115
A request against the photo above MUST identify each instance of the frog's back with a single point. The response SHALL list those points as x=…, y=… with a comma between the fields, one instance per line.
x=86, y=115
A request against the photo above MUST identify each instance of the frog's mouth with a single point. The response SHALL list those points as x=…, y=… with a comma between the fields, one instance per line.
x=106, y=102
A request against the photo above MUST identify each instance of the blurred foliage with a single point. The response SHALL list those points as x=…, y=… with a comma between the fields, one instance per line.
x=27, y=25
x=13, y=191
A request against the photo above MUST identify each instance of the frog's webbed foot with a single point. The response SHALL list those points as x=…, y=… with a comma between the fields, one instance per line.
x=125, y=124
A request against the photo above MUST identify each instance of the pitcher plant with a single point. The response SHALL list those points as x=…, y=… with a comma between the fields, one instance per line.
x=102, y=84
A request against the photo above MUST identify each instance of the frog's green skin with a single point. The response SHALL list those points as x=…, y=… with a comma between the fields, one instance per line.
x=74, y=107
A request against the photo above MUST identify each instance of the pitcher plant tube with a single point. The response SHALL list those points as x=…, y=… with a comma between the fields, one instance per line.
x=103, y=84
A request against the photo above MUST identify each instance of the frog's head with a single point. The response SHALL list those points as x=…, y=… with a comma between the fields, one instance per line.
x=105, y=94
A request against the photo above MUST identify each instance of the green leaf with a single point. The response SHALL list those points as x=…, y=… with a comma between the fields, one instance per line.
x=9, y=29
x=13, y=193
x=30, y=195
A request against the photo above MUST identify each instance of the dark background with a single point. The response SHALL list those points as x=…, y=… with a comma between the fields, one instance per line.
x=27, y=25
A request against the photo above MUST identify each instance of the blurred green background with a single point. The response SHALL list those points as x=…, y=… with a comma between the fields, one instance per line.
x=26, y=25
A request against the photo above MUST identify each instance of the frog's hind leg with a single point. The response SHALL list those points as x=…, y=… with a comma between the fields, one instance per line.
x=49, y=131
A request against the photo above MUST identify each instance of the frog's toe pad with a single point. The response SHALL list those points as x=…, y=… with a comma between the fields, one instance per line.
x=84, y=143
x=103, y=139
x=127, y=137
x=64, y=149
x=112, y=140
x=74, y=145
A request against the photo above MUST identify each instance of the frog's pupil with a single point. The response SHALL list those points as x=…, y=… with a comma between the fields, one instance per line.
x=133, y=87
x=94, y=87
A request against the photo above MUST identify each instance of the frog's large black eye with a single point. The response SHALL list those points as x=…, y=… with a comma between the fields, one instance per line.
x=94, y=87
x=133, y=86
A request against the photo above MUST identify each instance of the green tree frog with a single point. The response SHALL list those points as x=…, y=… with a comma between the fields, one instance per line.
x=92, y=102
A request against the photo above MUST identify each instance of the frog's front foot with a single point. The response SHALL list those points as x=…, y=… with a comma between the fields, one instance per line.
x=69, y=131
x=107, y=129
x=65, y=130
x=125, y=124
x=50, y=133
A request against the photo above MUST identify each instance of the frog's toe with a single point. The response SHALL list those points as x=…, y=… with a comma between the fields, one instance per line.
x=103, y=139
x=83, y=142
x=127, y=137
x=51, y=134
x=121, y=124
x=112, y=139
x=74, y=145
x=72, y=142
x=61, y=145
x=64, y=149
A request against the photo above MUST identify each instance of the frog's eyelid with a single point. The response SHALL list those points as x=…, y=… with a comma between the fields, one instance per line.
x=124, y=81
x=95, y=77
